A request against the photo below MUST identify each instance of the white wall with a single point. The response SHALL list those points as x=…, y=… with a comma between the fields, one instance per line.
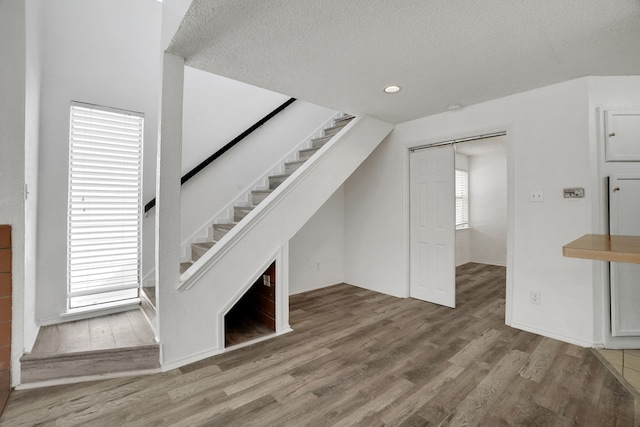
x=189, y=318
x=216, y=110
x=12, y=160
x=463, y=236
x=220, y=183
x=316, y=252
x=488, y=208
x=32, y=147
x=607, y=93
x=91, y=52
x=548, y=140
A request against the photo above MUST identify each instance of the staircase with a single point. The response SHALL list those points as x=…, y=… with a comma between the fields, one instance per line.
x=258, y=196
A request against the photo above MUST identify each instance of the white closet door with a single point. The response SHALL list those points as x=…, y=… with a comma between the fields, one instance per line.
x=624, y=220
x=432, y=210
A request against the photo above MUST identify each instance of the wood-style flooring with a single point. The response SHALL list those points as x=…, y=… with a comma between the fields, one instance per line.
x=115, y=343
x=360, y=358
x=126, y=329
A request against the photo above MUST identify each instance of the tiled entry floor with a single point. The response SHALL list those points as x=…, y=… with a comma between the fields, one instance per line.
x=626, y=362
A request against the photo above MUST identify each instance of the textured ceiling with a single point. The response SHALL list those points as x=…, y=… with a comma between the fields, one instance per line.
x=341, y=54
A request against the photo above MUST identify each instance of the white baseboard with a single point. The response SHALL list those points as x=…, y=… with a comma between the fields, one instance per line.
x=183, y=361
x=550, y=334
x=487, y=262
x=372, y=288
x=192, y=358
x=312, y=288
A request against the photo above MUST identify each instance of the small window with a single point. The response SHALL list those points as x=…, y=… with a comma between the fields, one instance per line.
x=104, y=213
x=462, y=199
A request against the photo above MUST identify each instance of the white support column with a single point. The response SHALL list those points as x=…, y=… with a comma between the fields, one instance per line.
x=167, y=251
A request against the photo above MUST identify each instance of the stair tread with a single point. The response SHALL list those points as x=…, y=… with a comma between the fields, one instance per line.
x=244, y=208
x=204, y=245
x=305, y=150
x=285, y=175
x=226, y=226
x=266, y=191
x=293, y=162
x=322, y=138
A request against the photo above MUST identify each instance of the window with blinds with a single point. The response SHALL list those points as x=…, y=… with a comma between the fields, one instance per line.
x=462, y=199
x=105, y=202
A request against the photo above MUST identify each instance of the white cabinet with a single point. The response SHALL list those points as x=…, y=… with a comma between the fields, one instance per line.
x=624, y=219
x=622, y=135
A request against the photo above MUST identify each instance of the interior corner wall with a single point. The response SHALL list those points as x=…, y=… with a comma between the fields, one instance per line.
x=316, y=252
x=548, y=149
x=463, y=236
x=488, y=208
x=91, y=52
x=12, y=160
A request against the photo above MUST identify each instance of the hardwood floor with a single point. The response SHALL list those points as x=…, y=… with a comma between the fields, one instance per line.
x=357, y=357
x=115, y=343
x=126, y=329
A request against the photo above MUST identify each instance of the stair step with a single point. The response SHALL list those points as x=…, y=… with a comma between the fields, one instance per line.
x=53, y=366
x=334, y=129
x=258, y=196
x=199, y=249
x=184, y=266
x=240, y=212
x=276, y=180
x=319, y=142
x=343, y=121
x=219, y=230
x=291, y=167
x=307, y=153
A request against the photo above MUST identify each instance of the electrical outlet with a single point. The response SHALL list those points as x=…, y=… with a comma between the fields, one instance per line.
x=536, y=196
x=534, y=297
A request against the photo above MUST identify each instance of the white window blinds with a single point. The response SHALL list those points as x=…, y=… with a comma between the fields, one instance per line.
x=104, y=218
x=462, y=199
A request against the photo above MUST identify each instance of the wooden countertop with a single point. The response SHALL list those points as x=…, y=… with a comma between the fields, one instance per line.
x=605, y=247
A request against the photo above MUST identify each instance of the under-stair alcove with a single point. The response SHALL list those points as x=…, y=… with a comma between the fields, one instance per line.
x=254, y=315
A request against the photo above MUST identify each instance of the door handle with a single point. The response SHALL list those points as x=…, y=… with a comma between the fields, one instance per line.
x=616, y=189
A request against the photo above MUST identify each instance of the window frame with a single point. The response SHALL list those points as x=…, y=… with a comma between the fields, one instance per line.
x=100, y=138
x=462, y=196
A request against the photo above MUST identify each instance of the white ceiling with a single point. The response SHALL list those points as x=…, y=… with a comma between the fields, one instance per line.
x=341, y=54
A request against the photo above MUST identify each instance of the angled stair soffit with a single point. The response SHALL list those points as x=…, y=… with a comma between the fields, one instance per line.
x=280, y=194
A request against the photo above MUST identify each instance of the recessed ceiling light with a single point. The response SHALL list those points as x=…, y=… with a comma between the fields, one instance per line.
x=392, y=89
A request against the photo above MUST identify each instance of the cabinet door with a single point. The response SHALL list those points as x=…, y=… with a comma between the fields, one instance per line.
x=624, y=219
x=622, y=135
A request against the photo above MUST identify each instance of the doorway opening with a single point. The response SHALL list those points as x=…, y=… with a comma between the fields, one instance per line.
x=254, y=315
x=457, y=234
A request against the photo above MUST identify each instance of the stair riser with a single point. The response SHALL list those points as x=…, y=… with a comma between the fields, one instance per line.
x=274, y=182
x=332, y=131
x=197, y=252
x=184, y=266
x=291, y=168
x=256, y=198
x=305, y=155
x=90, y=363
x=218, y=233
x=238, y=214
x=318, y=143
